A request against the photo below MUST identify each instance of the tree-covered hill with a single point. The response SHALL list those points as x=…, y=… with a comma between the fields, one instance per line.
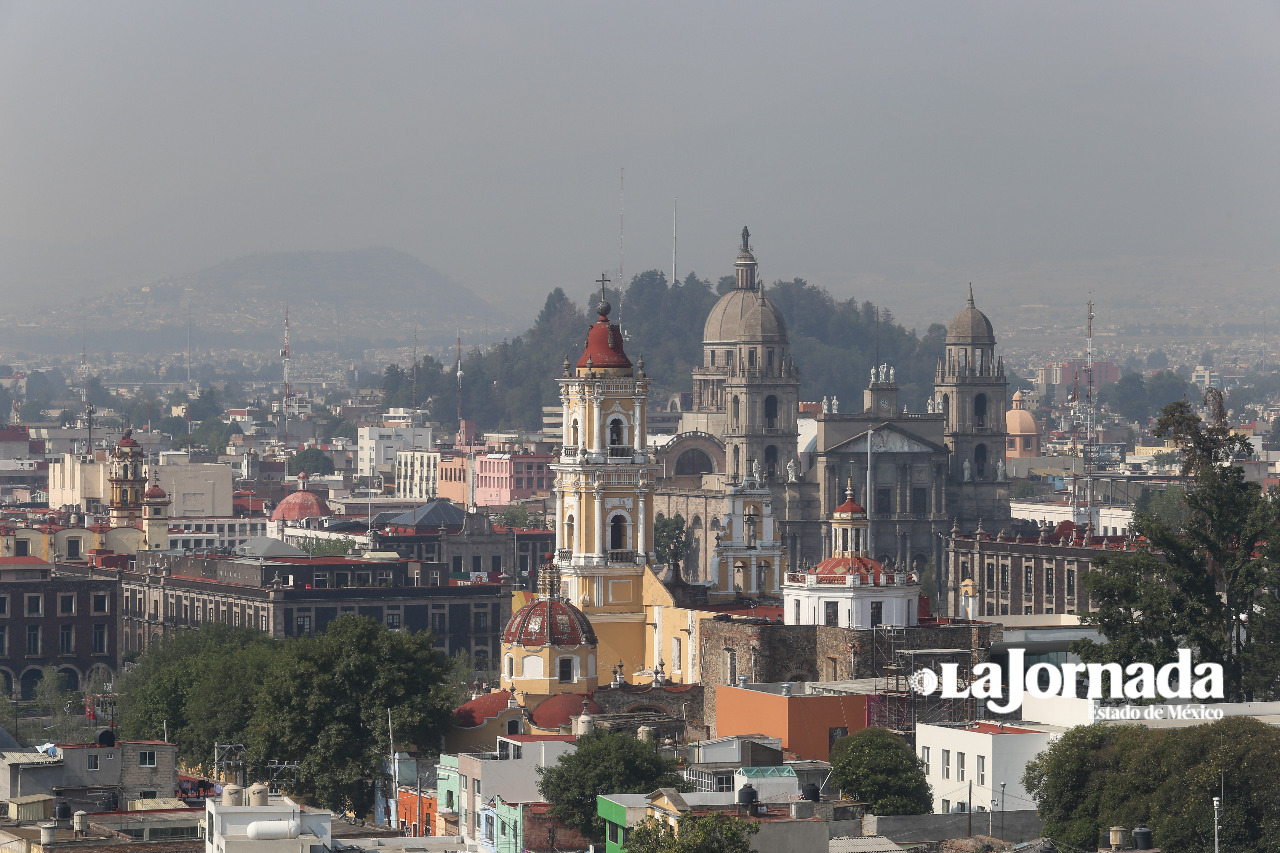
x=834, y=342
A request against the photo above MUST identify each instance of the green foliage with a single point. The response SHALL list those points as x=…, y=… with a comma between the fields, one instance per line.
x=321, y=701
x=1098, y=776
x=33, y=411
x=876, y=766
x=1024, y=490
x=669, y=540
x=516, y=515
x=345, y=429
x=714, y=832
x=1157, y=360
x=212, y=434
x=1165, y=505
x=1136, y=398
x=603, y=763
x=313, y=460
x=1207, y=584
x=324, y=704
x=317, y=547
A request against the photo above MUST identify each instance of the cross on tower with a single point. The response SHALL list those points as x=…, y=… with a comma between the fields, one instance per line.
x=602, y=281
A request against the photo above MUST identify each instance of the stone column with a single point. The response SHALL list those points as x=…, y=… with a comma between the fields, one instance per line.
x=599, y=498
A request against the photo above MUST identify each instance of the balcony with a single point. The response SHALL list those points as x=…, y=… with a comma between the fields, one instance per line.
x=851, y=580
x=617, y=451
x=621, y=555
x=564, y=553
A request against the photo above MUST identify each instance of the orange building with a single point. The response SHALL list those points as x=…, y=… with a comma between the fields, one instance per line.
x=806, y=723
x=416, y=812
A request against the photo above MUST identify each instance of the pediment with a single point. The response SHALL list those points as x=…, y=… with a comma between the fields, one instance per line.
x=887, y=438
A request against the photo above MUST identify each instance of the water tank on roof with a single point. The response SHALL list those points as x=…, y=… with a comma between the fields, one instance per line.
x=106, y=737
x=62, y=810
x=259, y=795
x=810, y=791
x=1142, y=838
x=747, y=795
x=231, y=795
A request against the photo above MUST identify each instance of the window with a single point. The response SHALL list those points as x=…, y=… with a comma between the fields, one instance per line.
x=884, y=501
x=35, y=605
x=676, y=656
x=438, y=621
x=1048, y=580
x=919, y=501
x=4, y=605
x=1004, y=577
x=1071, y=582
x=393, y=621
x=924, y=759
x=99, y=639
x=1026, y=579
x=495, y=564
x=946, y=807
x=4, y=640
x=33, y=639
x=67, y=604
x=93, y=761
x=21, y=548
x=147, y=758
x=73, y=549
x=304, y=624
x=982, y=770
x=877, y=613
x=830, y=615
x=481, y=620
x=960, y=766
x=566, y=670
x=991, y=575
x=946, y=764
x=66, y=640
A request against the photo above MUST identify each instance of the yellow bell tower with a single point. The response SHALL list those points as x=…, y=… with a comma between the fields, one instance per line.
x=604, y=484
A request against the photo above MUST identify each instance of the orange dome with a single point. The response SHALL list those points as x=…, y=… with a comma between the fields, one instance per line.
x=299, y=505
x=549, y=622
x=604, y=343
x=155, y=493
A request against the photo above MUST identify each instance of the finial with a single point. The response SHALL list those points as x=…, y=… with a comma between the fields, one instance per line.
x=970, y=294
x=746, y=237
x=640, y=365
x=566, y=366
x=848, y=491
x=591, y=362
x=604, y=307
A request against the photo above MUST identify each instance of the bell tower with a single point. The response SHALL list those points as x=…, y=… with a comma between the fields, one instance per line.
x=970, y=392
x=127, y=482
x=604, y=484
x=155, y=525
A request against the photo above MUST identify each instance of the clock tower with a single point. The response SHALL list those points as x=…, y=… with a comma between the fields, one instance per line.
x=881, y=397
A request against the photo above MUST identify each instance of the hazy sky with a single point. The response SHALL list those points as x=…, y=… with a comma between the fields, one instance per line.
x=880, y=149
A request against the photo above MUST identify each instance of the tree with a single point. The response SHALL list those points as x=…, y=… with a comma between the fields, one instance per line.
x=669, y=540
x=1098, y=776
x=1206, y=584
x=313, y=460
x=324, y=704
x=604, y=763
x=1157, y=360
x=317, y=547
x=1128, y=397
x=516, y=515
x=881, y=769
x=714, y=832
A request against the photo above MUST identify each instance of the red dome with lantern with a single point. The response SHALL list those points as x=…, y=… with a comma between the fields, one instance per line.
x=549, y=621
x=604, y=342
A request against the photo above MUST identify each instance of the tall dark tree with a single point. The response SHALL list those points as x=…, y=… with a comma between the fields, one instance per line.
x=1207, y=584
x=669, y=540
x=604, y=763
x=880, y=768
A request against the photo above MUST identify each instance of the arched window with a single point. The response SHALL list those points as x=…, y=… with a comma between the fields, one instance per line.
x=573, y=433
x=980, y=410
x=763, y=570
x=980, y=461
x=734, y=412
x=568, y=532
x=617, y=533
x=737, y=462
x=513, y=728
x=795, y=611
x=946, y=411
x=694, y=461
x=615, y=432
x=771, y=410
x=511, y=666
x=770, y=458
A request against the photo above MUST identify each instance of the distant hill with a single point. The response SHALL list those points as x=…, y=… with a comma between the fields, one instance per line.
x=350, y=280
x=337, y=300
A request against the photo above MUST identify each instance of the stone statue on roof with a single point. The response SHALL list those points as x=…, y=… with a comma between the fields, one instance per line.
x=746, y=237
x=793, y=472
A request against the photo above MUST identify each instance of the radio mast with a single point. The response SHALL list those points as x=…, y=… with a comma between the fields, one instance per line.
x=284, y=405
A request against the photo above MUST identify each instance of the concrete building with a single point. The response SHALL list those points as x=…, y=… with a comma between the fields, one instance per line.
x=378, y=446
x=417, y=474
x=987, y=758
x=509, y=771
x=195, y=488
x=84, y=773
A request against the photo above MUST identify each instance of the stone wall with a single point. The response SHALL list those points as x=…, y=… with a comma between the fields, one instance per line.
x=1019, y=825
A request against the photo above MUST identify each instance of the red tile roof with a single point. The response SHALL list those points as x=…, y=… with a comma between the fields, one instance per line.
x=481, y=708
x=559, y=710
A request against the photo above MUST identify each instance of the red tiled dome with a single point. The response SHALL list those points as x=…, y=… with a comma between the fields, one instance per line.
x=849, y=566
x=850, y=507
x=482, y=708
x=127, y=440
x=549, y=622
x=299, y=505
x=560, y=710
x=604, y=346
x=155, y=492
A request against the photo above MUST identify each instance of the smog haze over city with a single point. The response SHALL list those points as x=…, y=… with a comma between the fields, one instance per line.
x=894, y=152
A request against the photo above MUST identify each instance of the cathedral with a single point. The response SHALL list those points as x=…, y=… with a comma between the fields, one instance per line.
x=916, y=472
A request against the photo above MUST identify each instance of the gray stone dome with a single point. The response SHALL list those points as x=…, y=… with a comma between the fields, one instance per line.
x=970, y=326
x=745, y=316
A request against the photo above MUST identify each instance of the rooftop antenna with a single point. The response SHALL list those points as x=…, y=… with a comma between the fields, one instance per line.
x=459, y=382
x=284, y=353
x=188, y=346
x=622, y=212
x=415, y=377
x=84, y=387
x=675, y=222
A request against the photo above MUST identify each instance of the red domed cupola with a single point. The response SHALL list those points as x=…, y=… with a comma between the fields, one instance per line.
x=604, y=350
x=549, y=621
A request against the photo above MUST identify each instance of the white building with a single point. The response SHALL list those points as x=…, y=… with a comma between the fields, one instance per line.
x=196, y=488
x=980, y=757
x=380, y=444
x=417, y=474
x=1107, y=520
x=849, y=589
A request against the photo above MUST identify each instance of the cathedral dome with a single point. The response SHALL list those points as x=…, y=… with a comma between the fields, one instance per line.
x=1018, y=421
x=549, y=622
x=744, y=316
x=299, y=505
x=970, y=326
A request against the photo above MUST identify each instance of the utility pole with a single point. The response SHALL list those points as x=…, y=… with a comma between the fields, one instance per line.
x=1217, y=815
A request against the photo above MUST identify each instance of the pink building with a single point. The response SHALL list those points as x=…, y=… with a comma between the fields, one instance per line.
x=500, y=478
